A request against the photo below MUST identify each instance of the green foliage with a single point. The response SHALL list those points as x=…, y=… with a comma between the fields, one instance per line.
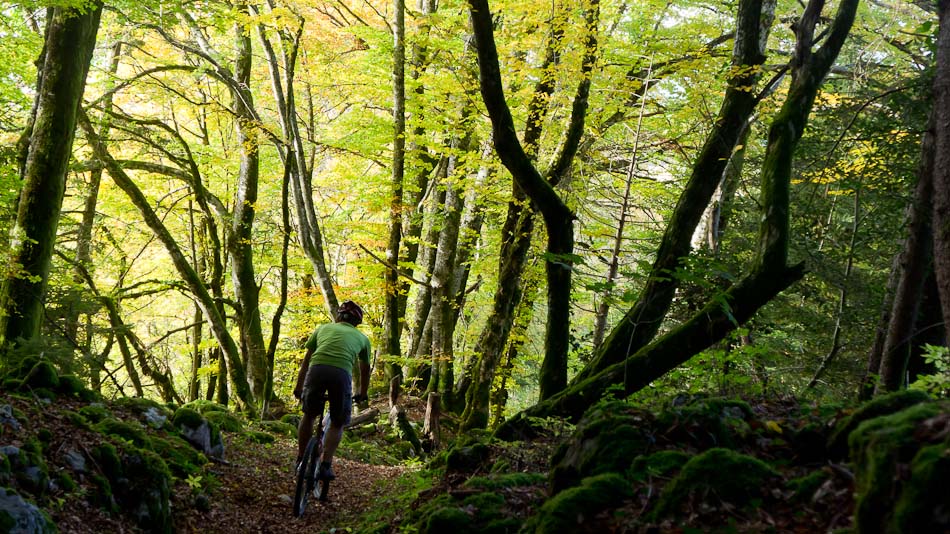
x=226, y=421
x=938, y=382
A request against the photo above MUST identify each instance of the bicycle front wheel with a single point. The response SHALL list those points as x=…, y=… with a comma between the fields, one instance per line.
x=322, y=490
x=306, y=475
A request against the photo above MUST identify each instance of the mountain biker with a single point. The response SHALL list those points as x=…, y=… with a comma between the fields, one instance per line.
x=335, y=348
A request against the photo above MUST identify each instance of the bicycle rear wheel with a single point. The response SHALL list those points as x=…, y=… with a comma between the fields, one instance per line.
x=306, y=476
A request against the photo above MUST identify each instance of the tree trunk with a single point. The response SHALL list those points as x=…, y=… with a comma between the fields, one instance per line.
x=68, y=50
x=769, y=273
x=240, y=239
x=235, y=367
x=913, y=264
x=642, y=321
x=941, y=175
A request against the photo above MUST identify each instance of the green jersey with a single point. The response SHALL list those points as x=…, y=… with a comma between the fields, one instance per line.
x=339, y=345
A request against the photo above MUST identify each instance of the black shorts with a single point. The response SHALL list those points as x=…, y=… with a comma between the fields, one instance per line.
x=325, y=382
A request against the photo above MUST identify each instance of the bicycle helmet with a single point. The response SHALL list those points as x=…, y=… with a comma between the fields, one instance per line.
x=351, y=309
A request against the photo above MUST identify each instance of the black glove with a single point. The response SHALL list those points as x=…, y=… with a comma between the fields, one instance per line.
x=360, y=398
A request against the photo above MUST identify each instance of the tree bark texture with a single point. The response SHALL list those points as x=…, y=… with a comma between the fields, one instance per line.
x=642, y=321
x=941, y=176
x=68, y=49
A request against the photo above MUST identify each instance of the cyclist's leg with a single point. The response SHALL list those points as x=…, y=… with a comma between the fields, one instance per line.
x=312, y=400
x=340, y=393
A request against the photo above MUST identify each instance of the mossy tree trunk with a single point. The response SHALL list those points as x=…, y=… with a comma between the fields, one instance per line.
x=68, y=48
x=642, y=321
x=769, y=273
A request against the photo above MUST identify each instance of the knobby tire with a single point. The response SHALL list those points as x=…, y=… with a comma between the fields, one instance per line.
x=306, y=476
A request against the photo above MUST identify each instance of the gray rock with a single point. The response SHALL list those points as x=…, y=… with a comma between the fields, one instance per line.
x=199, y=437
x=155, y=418
x=25, y=517
x=6, y=417
x=11, y=452
x=75, y=460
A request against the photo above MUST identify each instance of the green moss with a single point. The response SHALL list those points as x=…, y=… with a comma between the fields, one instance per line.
x=204, y=406
x=259, y=437
x=95, y=412
x=291, y=419
x=486, y=503
x=604, y=441
x=880, y=447
x=183, y=460
x=510, y=480
x=449, y=519
x=44, y=393
x=65, y=482
x=562, y=512
x=877, y=407
x=466, y=458
x=924, y=501
x=187, y=417
x=102, y=496
x=141, y=405
x=11, y=384
x=4, y=468
x=71, y=385
x=42, y=376
x=805, y=487
x=6, y=521
x=279, y=427
x=731, y=476
x=707, y=422
x=225, y=421
x=77, y=419
x=658, y=464
x=88, y=395
x=107, y=458
x=145, y=491
x=113, y=427
x=44, y=435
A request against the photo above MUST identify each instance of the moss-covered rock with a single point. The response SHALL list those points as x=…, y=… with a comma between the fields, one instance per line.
x=95, y=412
x=279, y=427
x=140, y=405
x=877, y=407
x=18, y=515
x=502, y=481
x=728, y=475
x=71, y=385
x=30, y=469
x=111, y=426
x=658, y=464
x=140, y=483
x=204, y=406
x=466, y=456
x=707, y=422
x=183, y=459
x=604, y=441
x=291, y=419
x=42, y=376
x=77, y=419
x=803, y=488
x=564, y=511
x=259, y=437
x=226, y=421
x=201, y=433
x=902, y=462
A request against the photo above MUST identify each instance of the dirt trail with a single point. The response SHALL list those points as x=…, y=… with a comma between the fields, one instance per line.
x=256, y=492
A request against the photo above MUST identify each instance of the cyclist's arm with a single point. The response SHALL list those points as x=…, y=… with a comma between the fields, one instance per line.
x=302, y=374
x=364, y=378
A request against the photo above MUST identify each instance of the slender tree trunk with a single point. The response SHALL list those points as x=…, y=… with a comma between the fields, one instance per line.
x=240, y=240
x=390, y=346
x=842, y=296
x=68, y=50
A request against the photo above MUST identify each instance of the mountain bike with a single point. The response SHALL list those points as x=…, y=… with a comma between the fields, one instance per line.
x=307, y=480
